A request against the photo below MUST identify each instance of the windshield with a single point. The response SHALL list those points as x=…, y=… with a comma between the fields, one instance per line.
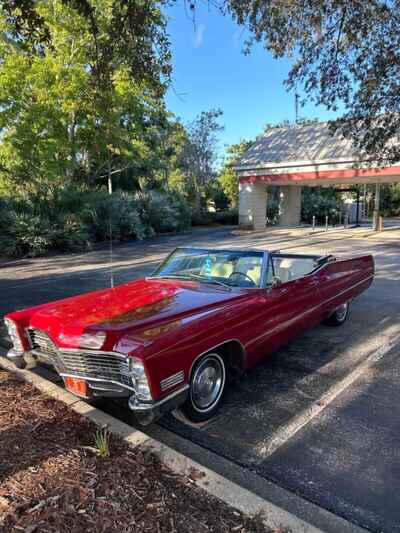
x=231, y=268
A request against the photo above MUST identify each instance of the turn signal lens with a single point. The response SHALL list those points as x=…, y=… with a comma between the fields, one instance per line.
x=136, y=368
x=142, y=388
x=14, y=335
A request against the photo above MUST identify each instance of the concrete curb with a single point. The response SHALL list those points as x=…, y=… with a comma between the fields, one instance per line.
x=213, y=483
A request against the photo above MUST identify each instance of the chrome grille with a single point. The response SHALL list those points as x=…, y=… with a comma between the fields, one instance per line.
x=90, y=364
x=41, y=341
x=105, y=366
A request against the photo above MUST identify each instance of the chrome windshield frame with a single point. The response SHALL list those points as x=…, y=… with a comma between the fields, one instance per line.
x=263, y=254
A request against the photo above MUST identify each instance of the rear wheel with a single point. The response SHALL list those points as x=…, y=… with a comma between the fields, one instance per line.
x=206, y=389
x=339, y=316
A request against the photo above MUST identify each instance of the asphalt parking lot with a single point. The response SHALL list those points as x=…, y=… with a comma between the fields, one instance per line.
x=321, y=416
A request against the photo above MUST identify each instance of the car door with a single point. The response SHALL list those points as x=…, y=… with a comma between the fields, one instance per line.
x=340, y=281
x=288, y=310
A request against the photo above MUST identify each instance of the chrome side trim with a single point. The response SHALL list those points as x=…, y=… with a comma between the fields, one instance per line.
x=311, y=310
x=173, y=380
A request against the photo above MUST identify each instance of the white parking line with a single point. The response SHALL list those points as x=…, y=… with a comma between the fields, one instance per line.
x=286, y=432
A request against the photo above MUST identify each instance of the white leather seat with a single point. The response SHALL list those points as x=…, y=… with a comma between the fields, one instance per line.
x=292, y=268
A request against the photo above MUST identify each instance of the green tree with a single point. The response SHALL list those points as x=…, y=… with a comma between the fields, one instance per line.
x=79, y=106
x=345, y=54
x=200, y=154
x=287, y=123
x=227, y=176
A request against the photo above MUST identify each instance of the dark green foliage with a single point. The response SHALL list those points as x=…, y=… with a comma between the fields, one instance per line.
x=118, y=213
x=272, y=209
x=163, y=212
x=228, y=216
x=73, y=219
x=320, y=202
x=390, y=199
x=220, y=199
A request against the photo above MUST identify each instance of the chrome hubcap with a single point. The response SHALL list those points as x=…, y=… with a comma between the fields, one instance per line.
x=207, y=384
x=341, y=312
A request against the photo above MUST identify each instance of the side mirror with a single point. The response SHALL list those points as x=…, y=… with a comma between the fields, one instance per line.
x=276, y=282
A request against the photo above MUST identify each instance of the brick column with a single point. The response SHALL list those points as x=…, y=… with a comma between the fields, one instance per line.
x=290, y=205
x=252, y=205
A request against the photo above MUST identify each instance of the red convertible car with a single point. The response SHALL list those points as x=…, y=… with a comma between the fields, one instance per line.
x=174, y=338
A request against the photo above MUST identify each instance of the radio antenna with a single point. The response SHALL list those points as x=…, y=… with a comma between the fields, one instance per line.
x=110, y=226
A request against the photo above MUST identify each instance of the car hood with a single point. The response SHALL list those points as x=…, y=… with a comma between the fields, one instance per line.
x=142, y=305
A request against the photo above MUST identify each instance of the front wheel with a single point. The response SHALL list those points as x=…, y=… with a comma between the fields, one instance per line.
x=339, y=316
x=206, y=389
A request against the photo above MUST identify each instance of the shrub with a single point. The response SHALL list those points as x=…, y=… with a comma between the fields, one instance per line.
x=73, y=219
x=164, y=212
x=229, y=216
x=204, y=218
x=272, y=212
x=320, y=202
x=118, y=212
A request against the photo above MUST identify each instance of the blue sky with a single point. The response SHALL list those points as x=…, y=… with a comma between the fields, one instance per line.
x=210, y=70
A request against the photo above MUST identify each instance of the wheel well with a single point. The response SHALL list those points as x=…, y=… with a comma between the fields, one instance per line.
x=233, y=354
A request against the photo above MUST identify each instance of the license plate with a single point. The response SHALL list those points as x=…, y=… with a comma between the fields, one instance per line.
x=77, y=386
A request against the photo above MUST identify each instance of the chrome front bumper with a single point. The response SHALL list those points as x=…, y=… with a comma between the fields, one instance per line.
x=148, y=412
x=145, y=412
x=17, y=358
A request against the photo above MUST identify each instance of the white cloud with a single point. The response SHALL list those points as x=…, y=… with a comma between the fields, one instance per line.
x=199, y=36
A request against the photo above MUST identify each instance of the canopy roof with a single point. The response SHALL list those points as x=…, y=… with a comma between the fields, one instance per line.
x=298, y=144
x=310, y=154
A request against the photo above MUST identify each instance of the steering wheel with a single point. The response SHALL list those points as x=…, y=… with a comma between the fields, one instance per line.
x=238, y=273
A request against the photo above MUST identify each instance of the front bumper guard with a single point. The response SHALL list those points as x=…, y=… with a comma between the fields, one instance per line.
x=17, y=358
x=148, y=412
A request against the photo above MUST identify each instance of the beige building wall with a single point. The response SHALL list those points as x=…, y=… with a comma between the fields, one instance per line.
x=252, y=205
x=290, y=205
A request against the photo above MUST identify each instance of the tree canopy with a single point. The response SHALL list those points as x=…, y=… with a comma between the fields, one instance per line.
x=228, y=177
x=346, y=55
x=76, y=106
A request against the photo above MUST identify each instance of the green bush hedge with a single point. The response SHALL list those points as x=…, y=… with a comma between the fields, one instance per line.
x=320, y=202
x=69, y=219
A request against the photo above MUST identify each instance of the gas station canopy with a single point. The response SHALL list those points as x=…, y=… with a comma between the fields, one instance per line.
x=296, y=156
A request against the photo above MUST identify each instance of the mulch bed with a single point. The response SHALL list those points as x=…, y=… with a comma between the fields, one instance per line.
x=51, y=478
